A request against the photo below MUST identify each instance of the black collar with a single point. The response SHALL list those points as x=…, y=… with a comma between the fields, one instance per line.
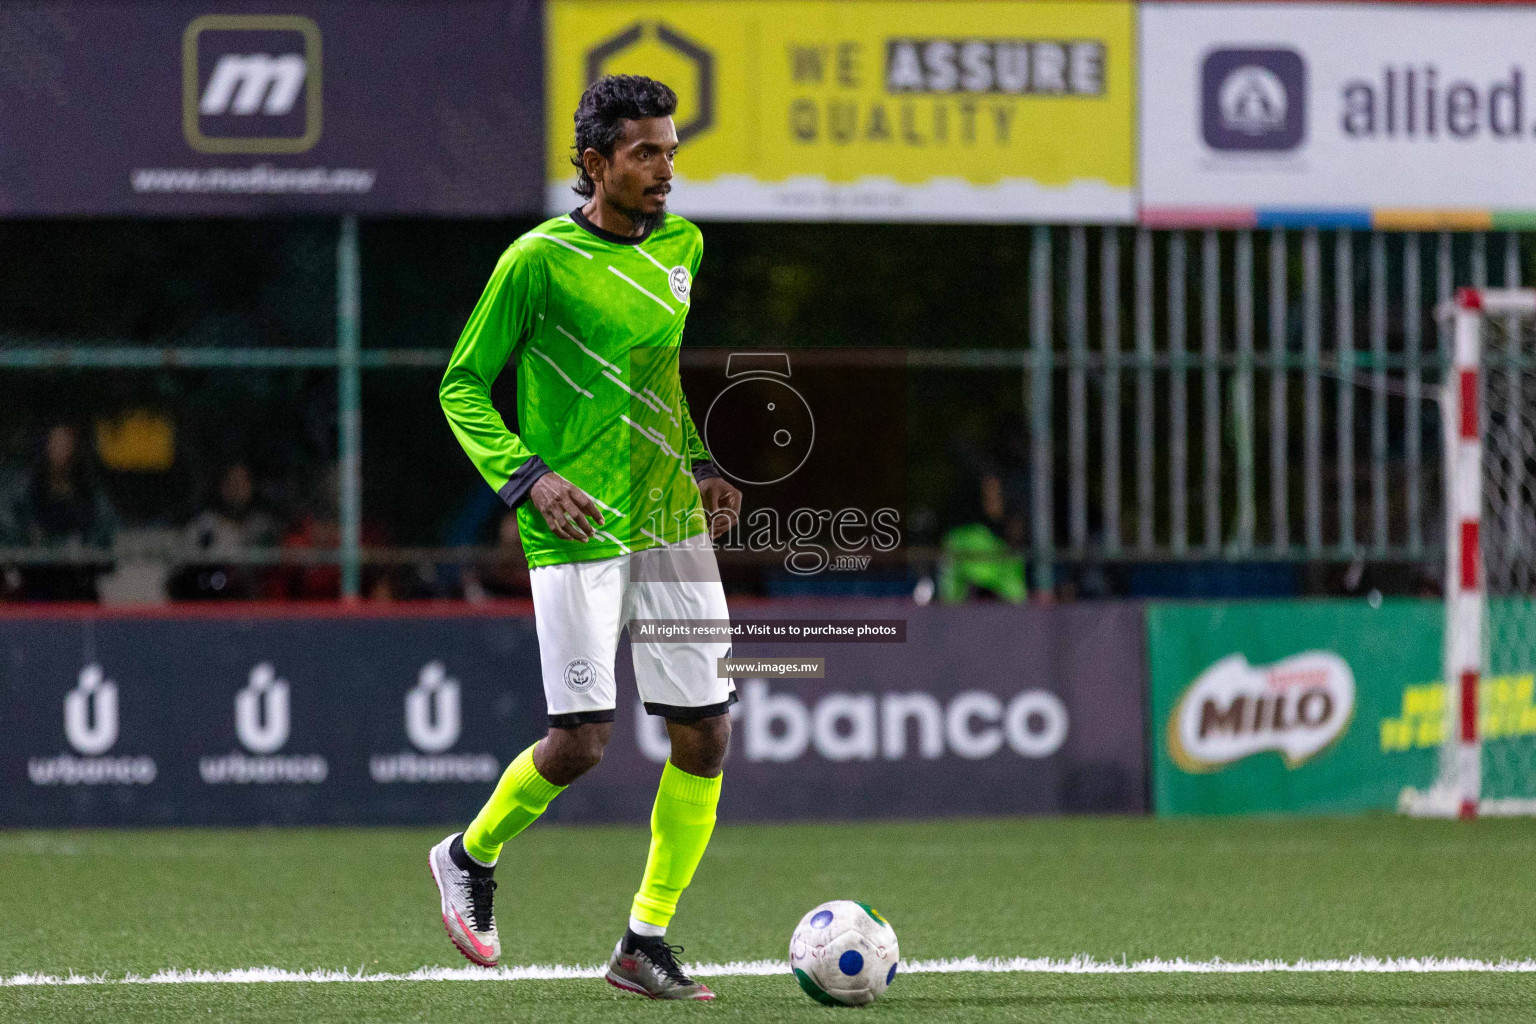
x=608, y=236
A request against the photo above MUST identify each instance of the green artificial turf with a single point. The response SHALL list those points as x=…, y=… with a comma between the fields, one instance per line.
x=118, y=902
x=930, y=999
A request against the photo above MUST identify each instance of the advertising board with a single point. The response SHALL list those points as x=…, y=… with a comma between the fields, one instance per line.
x=868, y=109
x=1375, y=115
x=401, y=718
x=179, y=108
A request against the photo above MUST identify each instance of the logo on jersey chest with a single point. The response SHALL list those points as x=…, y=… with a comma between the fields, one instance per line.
x=681, y=282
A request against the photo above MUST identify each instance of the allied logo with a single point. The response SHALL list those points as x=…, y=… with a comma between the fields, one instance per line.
x=1297, y=707
x=1253, y=100
x=251, y=84
x=580, y=675
x=681, y=283
x=657, y=49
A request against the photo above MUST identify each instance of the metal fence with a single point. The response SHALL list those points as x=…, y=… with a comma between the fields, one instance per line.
x=1242, y=395
x=1214, y=395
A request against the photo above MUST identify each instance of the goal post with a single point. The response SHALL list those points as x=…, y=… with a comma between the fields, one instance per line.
x=1487, y=762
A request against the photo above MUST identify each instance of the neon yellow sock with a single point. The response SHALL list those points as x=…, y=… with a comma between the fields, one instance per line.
x=681, y=823
x=519, y=798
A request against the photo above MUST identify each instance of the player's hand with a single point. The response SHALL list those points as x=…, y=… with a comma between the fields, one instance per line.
x=722, y=502
x=565, y=507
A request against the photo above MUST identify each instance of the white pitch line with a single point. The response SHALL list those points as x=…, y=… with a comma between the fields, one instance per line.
x=765, y=968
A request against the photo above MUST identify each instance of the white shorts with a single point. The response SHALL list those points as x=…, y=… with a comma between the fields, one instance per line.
x=580, y=607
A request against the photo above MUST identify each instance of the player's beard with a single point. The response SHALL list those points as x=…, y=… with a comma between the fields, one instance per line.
x=646, y=221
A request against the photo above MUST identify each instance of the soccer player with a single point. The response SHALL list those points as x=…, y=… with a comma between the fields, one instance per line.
x=617, y=501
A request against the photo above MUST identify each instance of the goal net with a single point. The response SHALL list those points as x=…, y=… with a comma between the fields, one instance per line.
x=1487, y=762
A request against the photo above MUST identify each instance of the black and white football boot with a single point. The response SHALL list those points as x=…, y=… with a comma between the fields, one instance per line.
x=648, y=967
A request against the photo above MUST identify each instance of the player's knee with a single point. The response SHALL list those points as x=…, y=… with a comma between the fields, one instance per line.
x=717, y=738
x=574, y=752
x=699, y=747
x=591, y=741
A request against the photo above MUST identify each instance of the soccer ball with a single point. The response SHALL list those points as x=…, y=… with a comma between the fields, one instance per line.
x=844, y=953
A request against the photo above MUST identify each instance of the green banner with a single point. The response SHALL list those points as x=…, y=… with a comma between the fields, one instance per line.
x=1315, y=706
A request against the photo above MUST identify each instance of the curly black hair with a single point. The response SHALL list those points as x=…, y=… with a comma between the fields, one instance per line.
x=606, y=104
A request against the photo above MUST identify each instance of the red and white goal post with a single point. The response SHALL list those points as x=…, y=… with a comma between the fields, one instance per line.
x=1487, y=762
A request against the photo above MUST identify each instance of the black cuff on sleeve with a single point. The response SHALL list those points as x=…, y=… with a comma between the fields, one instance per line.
x=705, y=470
x=516, y=489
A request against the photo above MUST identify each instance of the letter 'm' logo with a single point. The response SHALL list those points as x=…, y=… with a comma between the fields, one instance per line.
x=432, y=713
x=90, y=713
x=251, y=84
x=1297, y=707
x=261, y=711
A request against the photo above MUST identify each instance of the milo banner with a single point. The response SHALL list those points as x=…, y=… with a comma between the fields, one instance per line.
x=189, y=107
x=231, y=717
x=1326, y=706
x=858, y=110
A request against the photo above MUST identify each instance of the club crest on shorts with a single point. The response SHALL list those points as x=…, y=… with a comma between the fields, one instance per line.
x=680, y=281
x=580, y=675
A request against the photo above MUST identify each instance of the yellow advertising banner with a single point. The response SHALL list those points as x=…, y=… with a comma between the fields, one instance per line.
x=976, y=110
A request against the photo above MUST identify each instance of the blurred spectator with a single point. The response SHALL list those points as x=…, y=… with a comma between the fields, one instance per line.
x=320, y=527
x=474, y=521
x=976, y=560
x=1014, y=471
x=60, y=504
x=231, y=524
x=506, y=575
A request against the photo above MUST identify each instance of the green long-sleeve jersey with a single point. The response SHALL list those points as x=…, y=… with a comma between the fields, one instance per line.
x=592, y=321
